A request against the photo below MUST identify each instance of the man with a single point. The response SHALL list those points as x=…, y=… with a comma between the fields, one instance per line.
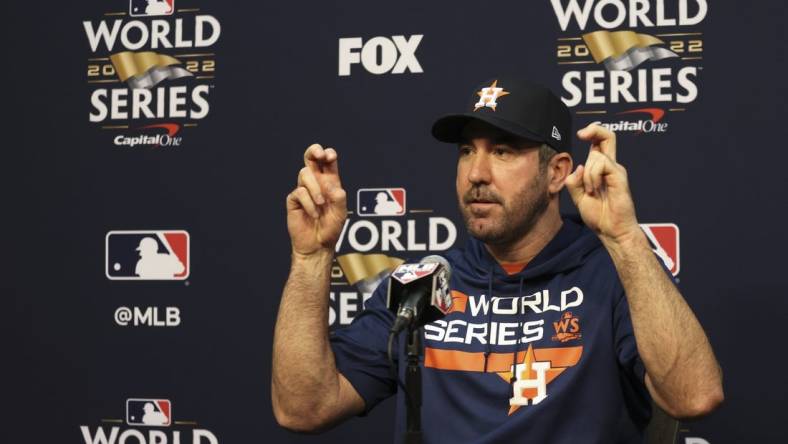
x=560, y=331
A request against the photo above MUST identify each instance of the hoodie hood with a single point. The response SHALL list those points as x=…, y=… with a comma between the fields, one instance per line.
x=569, y=249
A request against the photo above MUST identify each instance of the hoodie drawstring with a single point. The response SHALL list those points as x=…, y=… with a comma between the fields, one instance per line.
x=519, y=330
x=489, y=317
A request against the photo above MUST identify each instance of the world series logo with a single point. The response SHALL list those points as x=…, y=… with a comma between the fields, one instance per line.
x=147, y=421
x=151, y=70
x=630, y=65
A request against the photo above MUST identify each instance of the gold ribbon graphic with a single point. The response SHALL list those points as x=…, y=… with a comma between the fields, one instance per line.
x=358, y=267
x=146, y=69
x=624, y=50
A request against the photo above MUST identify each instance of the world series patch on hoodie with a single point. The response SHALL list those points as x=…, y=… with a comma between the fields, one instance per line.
x=544, y=355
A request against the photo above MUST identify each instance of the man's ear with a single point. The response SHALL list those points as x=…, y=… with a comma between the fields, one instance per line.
x=558, y=169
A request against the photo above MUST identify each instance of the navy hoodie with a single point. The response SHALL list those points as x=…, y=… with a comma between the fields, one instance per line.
x=546, y=355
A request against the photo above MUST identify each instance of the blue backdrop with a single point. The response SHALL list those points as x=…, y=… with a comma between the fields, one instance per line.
x=213, y=148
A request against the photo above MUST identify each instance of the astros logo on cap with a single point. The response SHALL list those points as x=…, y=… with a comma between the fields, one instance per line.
x=489, y=95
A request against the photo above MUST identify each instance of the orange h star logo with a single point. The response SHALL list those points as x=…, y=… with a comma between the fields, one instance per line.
x=531, y=381
x=489, y=95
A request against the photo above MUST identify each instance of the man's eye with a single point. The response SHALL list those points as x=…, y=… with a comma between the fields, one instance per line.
x=464, y=150
x=501, y=151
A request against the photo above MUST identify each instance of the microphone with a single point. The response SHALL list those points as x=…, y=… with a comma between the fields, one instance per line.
x=419, y=293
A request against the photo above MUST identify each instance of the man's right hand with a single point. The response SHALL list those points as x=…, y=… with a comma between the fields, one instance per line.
x=317, y=207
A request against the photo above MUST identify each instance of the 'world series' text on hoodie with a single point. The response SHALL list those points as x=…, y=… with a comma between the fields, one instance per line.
x=546, y=355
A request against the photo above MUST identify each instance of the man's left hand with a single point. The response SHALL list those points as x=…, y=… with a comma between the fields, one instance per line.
x=600, y=188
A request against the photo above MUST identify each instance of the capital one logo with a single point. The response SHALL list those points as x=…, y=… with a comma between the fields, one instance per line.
x=380, y=55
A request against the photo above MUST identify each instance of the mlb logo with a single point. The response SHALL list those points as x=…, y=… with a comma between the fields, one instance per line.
x=148, y=412
x=664, y=239
x=145, y=255
x=151, y=8
x=407, y=273
x=380, y=201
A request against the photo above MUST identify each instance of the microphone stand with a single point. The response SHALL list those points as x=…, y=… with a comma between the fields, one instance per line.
x=413, y=386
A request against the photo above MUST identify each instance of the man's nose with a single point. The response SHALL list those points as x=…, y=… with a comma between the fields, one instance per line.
x=480, y=168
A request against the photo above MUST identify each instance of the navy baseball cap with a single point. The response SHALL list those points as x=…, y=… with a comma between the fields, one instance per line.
x=516, y=106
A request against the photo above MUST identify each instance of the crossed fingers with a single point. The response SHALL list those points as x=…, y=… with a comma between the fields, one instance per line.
x=318, y=180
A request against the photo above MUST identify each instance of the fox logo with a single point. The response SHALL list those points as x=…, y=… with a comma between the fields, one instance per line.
x=567, y=328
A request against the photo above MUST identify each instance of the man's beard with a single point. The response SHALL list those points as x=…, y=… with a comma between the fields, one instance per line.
x=516, y=221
